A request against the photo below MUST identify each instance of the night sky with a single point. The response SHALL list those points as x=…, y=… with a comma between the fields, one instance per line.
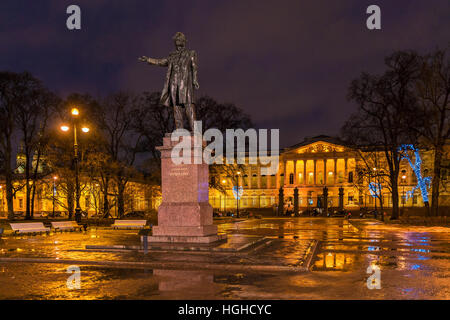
x=286, y=63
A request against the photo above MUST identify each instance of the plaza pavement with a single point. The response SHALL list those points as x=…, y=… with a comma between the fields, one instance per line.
x=294, y=258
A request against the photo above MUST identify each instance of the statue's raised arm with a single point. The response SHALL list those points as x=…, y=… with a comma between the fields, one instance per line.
x=157, y=62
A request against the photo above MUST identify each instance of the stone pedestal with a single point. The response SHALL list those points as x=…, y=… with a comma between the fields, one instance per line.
x=185, y=215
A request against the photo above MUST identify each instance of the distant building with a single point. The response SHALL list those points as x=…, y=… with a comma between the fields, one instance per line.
x=51, y=192
x=323, y=161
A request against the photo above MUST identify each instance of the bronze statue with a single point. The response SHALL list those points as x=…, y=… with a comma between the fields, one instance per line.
x=181, y=79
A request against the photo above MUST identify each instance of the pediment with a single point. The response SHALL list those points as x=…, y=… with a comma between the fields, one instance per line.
x=319, y=147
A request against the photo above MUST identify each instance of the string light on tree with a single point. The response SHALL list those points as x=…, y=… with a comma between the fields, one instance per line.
x=423, y=183
x=375, y=189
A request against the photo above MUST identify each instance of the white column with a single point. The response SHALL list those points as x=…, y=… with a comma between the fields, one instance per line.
x=304, y=172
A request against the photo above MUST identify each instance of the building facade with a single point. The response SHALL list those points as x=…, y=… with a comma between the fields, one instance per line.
x=319, y=162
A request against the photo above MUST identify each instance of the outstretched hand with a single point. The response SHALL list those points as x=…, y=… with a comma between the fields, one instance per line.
x=143, y=59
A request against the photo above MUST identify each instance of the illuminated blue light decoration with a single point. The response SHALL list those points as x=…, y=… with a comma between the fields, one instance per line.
x=238, y=192
x=423, y=183
x=375, y=189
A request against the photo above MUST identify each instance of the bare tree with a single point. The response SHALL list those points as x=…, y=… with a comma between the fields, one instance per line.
x=31, y=117
x=25, y=106
x=384, y=104
x=372, y=175
x=8, y=101
x=116, y=117
x=432, y=119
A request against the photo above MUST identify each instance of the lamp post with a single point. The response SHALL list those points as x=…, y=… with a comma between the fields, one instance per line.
x=75, y=113
x=54, y=194
x=237, y=195
x=225, y=196
x=377, y=195
x=1, y=203
x=404, y=195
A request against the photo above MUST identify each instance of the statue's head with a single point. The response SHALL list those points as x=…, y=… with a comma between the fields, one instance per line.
x=180, y=39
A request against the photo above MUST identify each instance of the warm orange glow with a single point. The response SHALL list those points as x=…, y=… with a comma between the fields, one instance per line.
x=403, y=177
x=64, y=128
x=85, y=129
x=224, y=181
x=238, y=172
x=55, y=177
x=75, y=112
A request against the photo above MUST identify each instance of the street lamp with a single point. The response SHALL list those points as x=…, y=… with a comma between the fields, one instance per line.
x=225, y=195
x=1, y=203
x=75, y=113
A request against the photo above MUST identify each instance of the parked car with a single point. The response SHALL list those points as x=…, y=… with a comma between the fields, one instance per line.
x=217, y=213
x=243, y=213
x=317, y=211
x=340, y=213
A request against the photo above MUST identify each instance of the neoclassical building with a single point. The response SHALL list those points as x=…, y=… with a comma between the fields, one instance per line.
x=313, y=164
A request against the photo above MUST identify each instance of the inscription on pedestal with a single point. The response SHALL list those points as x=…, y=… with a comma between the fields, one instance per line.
x=178, y=171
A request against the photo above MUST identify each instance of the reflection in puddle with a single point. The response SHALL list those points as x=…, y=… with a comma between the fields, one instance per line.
x=341, y=248
x=334, y=261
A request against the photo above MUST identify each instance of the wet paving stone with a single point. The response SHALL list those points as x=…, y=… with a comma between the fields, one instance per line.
x=414, y=263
